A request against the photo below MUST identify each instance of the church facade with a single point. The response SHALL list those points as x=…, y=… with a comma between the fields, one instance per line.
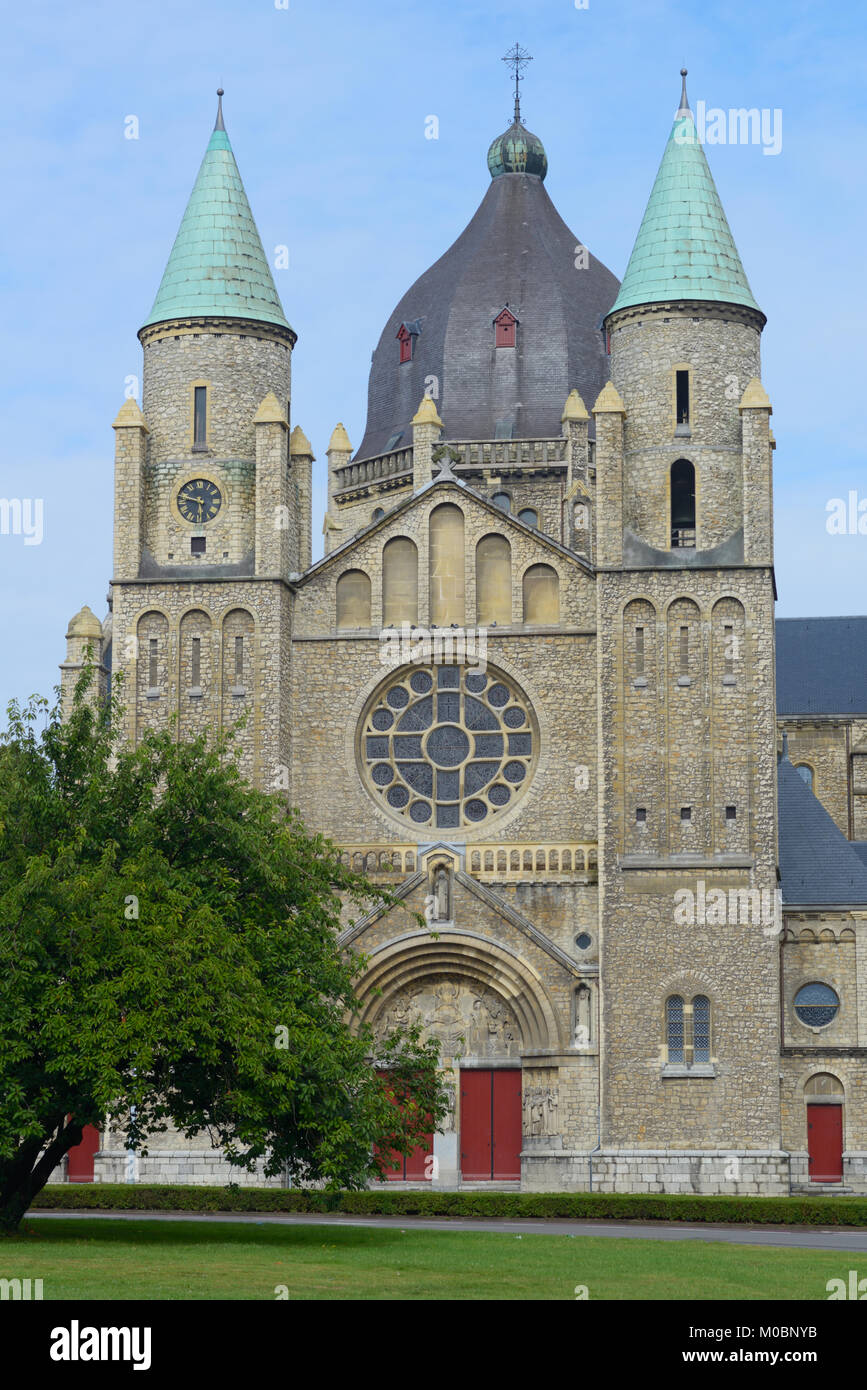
x=531, y=685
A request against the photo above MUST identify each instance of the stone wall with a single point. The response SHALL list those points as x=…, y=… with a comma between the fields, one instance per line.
x=719, y=346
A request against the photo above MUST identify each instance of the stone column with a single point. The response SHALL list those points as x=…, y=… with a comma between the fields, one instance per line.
x=130, y=452
x=426, y=429
x=302, y=460
x=276, y=529
x=755, y=410
x=609, y=412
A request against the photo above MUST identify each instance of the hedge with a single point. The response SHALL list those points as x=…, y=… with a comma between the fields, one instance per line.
x=576, y=1206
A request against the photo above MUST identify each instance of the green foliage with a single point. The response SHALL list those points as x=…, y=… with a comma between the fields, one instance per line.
x=168, y=955
x=569, y=1206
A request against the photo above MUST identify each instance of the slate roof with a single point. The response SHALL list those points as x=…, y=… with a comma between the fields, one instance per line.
x=517, y=250
x=684, y=248
x=217, y=266
x=819, y=867
x=822, y=666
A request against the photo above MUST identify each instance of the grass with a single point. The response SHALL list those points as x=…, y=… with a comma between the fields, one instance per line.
x=92, y=1259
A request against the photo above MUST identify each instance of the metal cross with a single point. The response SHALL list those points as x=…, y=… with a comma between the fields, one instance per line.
x=518, y=58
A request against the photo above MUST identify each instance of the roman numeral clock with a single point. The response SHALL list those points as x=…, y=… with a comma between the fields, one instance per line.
x=199, y=500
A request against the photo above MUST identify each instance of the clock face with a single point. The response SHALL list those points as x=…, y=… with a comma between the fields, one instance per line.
x=199, y=500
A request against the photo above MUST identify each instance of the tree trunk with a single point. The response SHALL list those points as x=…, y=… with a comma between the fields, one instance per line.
x=22, y=1179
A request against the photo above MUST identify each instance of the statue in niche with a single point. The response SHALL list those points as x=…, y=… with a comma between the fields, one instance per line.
x=442, y=895
x=447, y=1124
x=583, y=1001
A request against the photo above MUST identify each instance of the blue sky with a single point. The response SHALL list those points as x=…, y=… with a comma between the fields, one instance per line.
x=326, y=106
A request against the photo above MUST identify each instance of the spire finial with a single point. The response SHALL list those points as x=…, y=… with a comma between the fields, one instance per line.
x=518, y=58
x=219, y=123
x=684, y=108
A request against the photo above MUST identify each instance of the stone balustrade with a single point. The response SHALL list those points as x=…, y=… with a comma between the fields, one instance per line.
x=506, y=454
x=533, y=862
x=495, y=862
x=385, y=468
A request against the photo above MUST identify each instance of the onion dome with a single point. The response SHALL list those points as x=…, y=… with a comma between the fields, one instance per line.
x=517, y=151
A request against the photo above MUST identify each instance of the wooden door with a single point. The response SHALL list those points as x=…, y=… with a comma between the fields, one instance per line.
x=825, y=1142
x=491, y=1124
x=476, y=1125
x=507, y=1124
x=413, y=1167
x=79, y=1166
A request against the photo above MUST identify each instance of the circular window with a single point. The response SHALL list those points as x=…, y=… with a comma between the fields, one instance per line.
x=583, y=940
x=816, y=1005
x=448, y=747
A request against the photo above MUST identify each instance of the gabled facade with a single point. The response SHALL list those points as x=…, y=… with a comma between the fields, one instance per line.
x=529, y=685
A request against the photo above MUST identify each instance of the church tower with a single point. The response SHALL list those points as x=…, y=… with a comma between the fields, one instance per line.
x=687, y=812
x=212, y=505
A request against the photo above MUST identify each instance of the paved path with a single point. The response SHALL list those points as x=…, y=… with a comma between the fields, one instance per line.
x=788, y=1237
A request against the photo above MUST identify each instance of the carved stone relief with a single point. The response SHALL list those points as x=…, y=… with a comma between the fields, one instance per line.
x=540, y=1111
x=469, y=1021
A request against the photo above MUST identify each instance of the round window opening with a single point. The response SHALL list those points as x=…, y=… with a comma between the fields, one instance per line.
x=582, y=941
x=816, y=1005
x=448, y=747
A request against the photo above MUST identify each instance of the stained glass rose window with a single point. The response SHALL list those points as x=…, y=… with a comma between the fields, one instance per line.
x=448, y=747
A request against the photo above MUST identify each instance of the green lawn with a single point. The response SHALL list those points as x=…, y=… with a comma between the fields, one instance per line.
x=197, y=1260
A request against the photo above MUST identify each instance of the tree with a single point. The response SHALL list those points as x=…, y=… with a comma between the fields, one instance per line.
x=168, y=955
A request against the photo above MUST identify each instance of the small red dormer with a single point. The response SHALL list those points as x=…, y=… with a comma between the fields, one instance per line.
x=406, y=336
x=505, y=325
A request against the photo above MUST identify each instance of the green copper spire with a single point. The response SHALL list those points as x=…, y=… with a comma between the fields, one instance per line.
x=684, y=248
x=218, y=267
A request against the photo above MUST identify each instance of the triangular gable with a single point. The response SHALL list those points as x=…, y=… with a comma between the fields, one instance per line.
x=450, y=482
x=485, y=895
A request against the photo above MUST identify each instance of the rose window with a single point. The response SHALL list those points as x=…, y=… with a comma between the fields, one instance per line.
x=448, y=747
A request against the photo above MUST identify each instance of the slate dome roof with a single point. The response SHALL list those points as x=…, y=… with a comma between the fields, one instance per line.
x=518, y=252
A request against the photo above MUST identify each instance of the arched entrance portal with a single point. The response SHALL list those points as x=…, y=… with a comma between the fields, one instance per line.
x=485, y=1007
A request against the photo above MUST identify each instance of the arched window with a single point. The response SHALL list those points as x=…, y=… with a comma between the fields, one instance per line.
x=541, y=595
x=399, y=582
x=447, y=566
x=806, y=772
x=701, y=1028
x=493, y=581
x=377, y=514
x=817, y=1004
x=529, y=516
x=687, y=1030
x=353, y=599
x=502, y=500
x=824, y=1083
x=682, y=505
x=674, y=1028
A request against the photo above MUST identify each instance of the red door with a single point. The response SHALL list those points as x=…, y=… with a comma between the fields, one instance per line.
x=80, y=1158
x=507, y=1124
x=476, y=1125
x=414, y=1167
x=491, y=1124
x=825, y=1142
